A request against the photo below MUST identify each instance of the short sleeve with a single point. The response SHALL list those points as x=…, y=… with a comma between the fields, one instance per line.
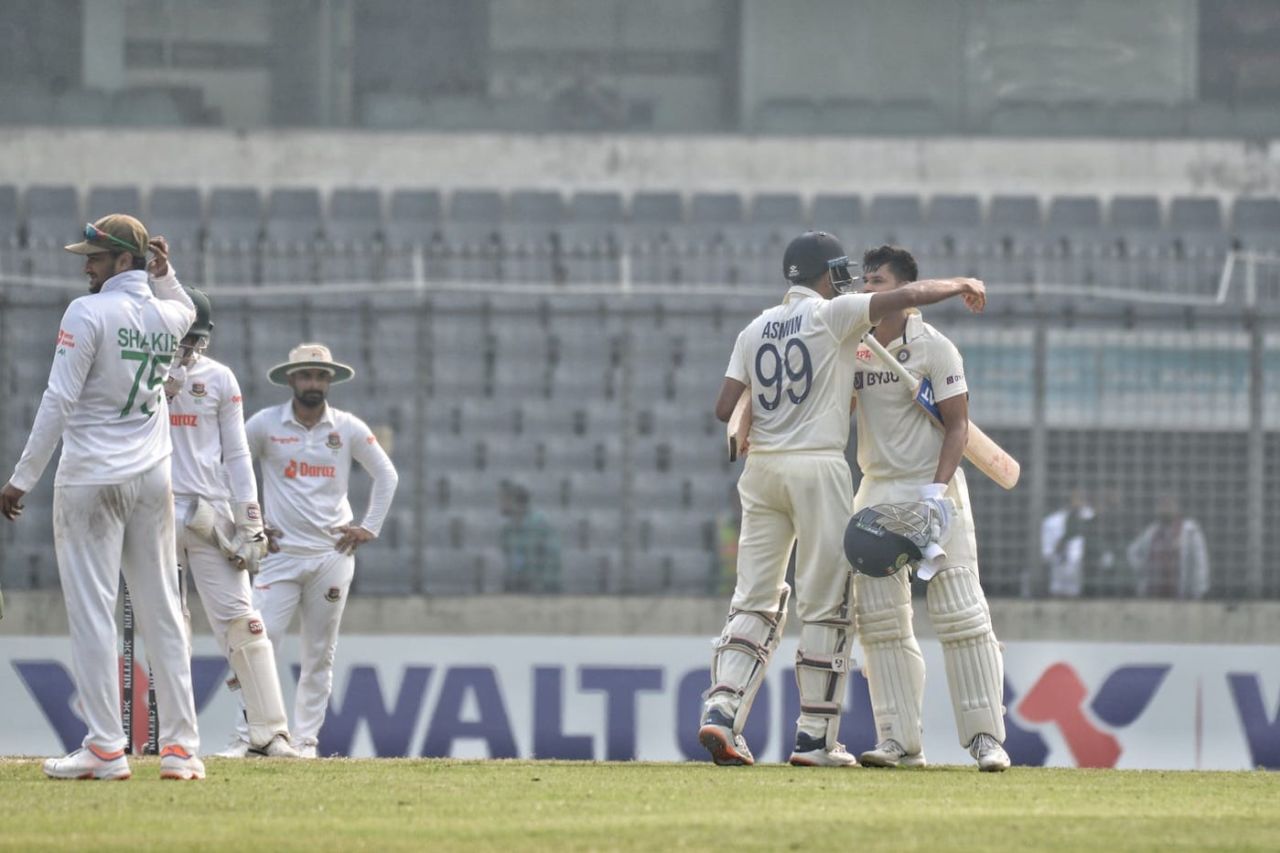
x=849, y=315
x=946, y=370
x=737, y=368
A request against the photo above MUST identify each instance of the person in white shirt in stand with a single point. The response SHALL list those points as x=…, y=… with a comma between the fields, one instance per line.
x=112, y=501
x=220, y=538
x=304, y=449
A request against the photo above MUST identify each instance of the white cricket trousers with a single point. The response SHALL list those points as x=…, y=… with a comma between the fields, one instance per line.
x=99, y=532
x=800, y=498
x=316, y=585
x=225, y=591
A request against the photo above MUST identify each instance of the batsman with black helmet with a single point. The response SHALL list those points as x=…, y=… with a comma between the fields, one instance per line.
x=912, y=507
x=797, y=360
x=220, y=536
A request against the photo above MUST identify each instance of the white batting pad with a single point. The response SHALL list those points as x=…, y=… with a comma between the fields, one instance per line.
x=253, y=660
x=894, y=665
x=741, y=656
x=975, y=665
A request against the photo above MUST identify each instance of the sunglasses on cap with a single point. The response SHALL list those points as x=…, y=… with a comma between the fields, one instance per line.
x=93, y=232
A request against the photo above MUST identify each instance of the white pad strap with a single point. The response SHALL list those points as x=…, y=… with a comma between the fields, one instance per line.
x=741, y=656
x=253, y=660
x=975, y=665
x=895, y=665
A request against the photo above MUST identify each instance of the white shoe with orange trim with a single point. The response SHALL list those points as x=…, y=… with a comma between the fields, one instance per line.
x=177, y=763
x=89, y=762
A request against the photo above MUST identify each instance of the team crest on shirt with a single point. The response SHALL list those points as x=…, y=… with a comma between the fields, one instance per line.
x=904, y=355
x=197, y=389
x=334, y=442
x=333, y=594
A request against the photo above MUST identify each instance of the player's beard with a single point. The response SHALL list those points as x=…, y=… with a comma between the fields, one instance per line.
x=311, y=398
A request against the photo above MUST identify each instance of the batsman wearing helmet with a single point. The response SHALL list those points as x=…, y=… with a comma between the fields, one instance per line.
x=907, y=462
x=220, y=538
x=796, y=360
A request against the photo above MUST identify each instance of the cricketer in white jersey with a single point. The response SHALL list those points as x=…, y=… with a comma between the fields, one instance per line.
x=797, y=361
x=112, y=504
x=304, y=449
x=905, y=459
x=220, y=538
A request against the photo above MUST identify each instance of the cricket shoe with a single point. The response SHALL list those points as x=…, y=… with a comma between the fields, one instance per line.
x=177, y=763
x=812, y=751
x=889, y=753
x=990, y=754
x=277, y=747
x=237, y=748
x=308, y=747
x=727, y=748
x=89, y=762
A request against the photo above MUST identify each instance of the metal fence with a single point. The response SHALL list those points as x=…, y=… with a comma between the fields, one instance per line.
x=598, y=401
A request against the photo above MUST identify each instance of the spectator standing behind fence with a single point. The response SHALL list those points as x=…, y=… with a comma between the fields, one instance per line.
x=530, y=545
x=1064, y=538
x=1170, y=556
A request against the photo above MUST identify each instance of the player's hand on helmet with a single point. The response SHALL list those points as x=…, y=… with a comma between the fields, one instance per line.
x=158, y=266
x=11, y=501
x=351, y=537
x=974, y=293
x=941, y=510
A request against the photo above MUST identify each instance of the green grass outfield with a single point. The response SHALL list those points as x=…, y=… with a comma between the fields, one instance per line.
x=368, y=804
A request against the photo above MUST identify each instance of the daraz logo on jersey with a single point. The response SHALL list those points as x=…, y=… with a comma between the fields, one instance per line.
x=178, y=420
x=297, y=469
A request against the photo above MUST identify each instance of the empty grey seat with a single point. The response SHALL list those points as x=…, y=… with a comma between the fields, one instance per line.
x=414, y=216
x=591, y=207
x=1014, y=212
x=542, y=206
x=355, y=216
x=955, y=211
x=1192, y=213
x=177, y=213
x=656, y=211
x=53, y=215
x=892, y=210
x=1255, y=222
x=1135, y=213
x=8, y=215
x=235, y=215
x=715, y=208
x=105, y=200
x=777, y=209
x=837, y=213
x=293, y=215
x=1069, y=212
x=476, y=206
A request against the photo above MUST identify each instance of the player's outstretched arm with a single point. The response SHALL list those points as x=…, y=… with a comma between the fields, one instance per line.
x=927, y=292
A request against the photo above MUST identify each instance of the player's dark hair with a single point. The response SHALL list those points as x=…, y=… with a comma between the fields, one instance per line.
x=139, y=263
x=896, y=258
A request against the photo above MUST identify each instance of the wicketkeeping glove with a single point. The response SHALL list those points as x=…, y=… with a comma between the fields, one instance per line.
x=249, y=545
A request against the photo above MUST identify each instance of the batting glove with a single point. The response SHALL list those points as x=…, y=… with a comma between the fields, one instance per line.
x=941, y=509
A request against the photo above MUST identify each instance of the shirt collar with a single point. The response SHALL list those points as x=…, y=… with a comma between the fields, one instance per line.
x=129, y=281
x=799, y=291
x=914, y=327
x=286, y=415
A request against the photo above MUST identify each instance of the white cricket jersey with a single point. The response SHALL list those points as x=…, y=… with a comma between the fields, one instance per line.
x=305, y=474
x=206, y=424
x=895, y=438
x=105, y=397
x=797, y=360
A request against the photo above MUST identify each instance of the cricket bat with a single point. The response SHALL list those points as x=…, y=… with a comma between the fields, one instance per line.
x=987, y=456
x=739, y=426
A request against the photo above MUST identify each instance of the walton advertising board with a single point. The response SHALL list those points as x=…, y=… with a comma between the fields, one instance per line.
x=622, y=698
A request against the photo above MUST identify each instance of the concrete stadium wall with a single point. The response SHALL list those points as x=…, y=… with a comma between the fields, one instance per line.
x=1113, y=620
x=86, y=157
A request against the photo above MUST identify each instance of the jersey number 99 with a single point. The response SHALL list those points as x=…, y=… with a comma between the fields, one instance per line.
x=775, y=369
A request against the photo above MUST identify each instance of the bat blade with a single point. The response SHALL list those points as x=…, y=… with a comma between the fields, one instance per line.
x=739, y=427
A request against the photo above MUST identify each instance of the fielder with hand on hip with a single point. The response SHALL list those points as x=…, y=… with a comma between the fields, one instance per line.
x=797, y=361
x=112, y=501
x=304, y=449
x=905, y=460
x=220, y=539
